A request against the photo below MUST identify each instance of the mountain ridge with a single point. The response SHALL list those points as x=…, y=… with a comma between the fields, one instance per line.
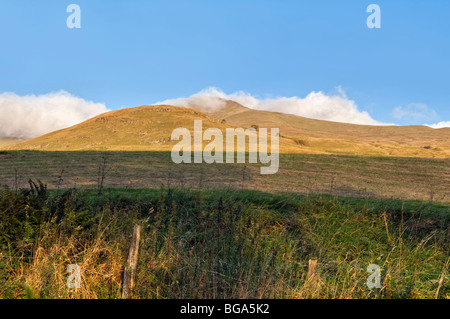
x=149, y=127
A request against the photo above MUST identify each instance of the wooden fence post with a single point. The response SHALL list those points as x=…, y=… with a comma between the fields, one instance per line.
x=312, y=270
x=312, y=279
x=130, y=268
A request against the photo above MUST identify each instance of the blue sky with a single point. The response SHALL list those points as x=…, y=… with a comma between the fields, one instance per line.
x=129, y=53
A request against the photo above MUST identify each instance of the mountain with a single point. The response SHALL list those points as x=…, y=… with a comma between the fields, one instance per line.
x=318, y=136
x=149, y=127
x=144, y=128
x=140, y=128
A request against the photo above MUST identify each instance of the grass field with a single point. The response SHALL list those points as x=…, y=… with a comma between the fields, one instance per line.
x=221, y=244
x=383, y=177
x=224, y=231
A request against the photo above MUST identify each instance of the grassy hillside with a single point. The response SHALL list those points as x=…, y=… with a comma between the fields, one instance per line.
x=141, y=128
x=317, y=136
x=221, y=244
x=10, y=141
x=150, y=127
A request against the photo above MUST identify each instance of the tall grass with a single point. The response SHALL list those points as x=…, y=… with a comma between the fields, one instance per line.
x=220, y=244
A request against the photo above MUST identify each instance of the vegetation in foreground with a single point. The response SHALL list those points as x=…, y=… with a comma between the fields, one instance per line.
x=220, y=244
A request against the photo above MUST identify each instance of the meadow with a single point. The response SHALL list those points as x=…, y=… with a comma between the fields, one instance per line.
x=223, y=231
x=220, y=244
x=360, y=176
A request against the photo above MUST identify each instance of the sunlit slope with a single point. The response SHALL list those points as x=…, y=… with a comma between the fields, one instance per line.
x=140, y=128
x=150, y=128
x=317, y=136
x=146, y=127
x=10, y=141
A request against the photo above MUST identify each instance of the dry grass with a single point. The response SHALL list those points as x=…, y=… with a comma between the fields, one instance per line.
x=10, y=141
x=149, y=128
x=39, y=268
x=46, y=277
x=406, y=178
x=221, y=244
x=324, y=137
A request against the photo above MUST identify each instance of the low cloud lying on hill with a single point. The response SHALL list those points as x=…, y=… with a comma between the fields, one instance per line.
x=440, y=124
x=315, y=105
x=33, y=115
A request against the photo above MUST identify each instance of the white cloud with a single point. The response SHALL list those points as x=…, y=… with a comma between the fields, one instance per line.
x=439, y=125
x=414, y=112
x=208, y=99
x=316, y=105
x=33, y=115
